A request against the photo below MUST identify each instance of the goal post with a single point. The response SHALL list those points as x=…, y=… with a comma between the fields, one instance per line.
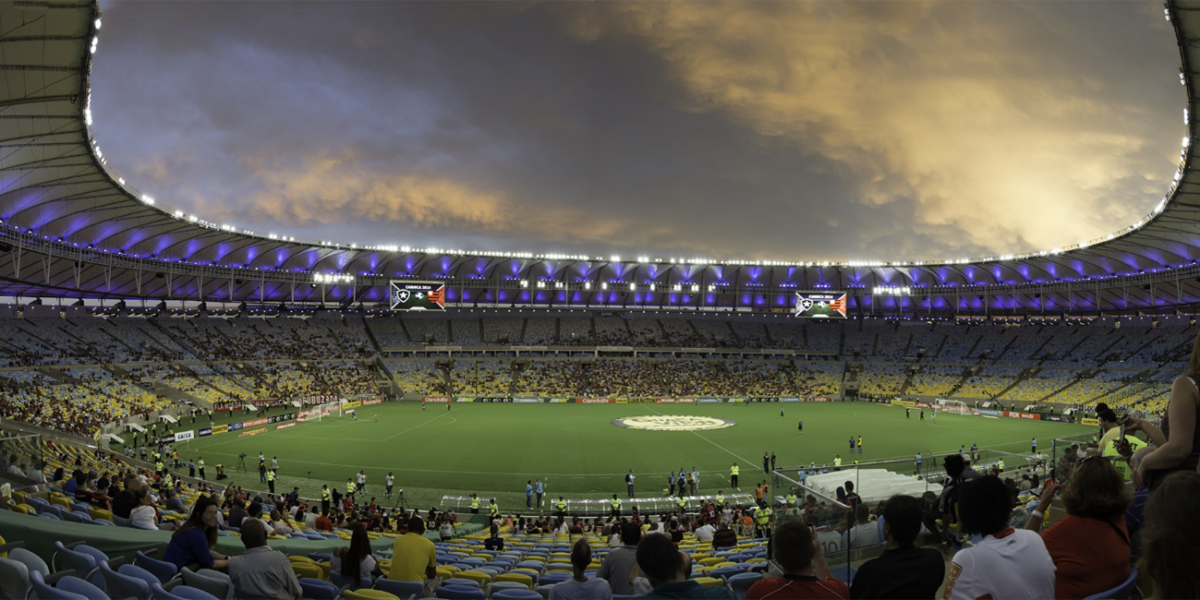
x=954, y=406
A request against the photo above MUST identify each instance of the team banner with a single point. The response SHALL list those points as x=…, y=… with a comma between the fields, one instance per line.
x=311, y=400
x=1023, y=415
x=235, y=426
x=435, y=399
x=252, y=432
x=370, y=401
x=219, y=429
x=417, y=295
x=821, y=305
x=269, y=402
x=1090, y=421
x=595, y=401
x=350, y=405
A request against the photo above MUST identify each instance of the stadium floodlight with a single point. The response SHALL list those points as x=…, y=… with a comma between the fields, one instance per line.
x=179, y=214
x=695, y=287
x=677, y=288
x=643, y=259
x=524, y=283
x=97, y=22
x=652, y=287
x=614, y=258
x=587, y=285
x=145, y=198
x=711, y=287
x=633, y=287
x=541, y=285
x=604, y=286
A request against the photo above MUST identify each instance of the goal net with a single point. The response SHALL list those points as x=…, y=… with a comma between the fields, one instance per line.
x=954, y=406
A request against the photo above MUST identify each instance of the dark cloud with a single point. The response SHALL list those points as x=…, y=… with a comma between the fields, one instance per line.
x=790, y=130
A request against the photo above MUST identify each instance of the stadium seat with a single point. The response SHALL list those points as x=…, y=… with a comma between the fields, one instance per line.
x=209, y=581
x=83, y=563
x=402, y=589
x=315, y=589
x=553, y=578
x=123, y=586
x=461, y=581
x=46, y=592
x=492, y=588
x=161, y=569
x=1126, y=590
x=740, y=583
x=181, y=592
x=368, y=594
x=709, y=581
x=481, y=578
x=309, y=570
x=457, y=592
x=516, y=594
x=337, y=579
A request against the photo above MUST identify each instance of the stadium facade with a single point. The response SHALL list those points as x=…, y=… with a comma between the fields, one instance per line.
x=72, y=228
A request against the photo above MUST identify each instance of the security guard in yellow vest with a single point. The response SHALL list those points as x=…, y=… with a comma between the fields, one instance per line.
x=682, y=505
x=616, y=506
x=733, y=475
x=560, y=507
x=325, y=498
x=791, y=499
x=720, y=499
x=837, y=463
x=474, y=504
x=271, y=480
x=350, y=489
x=762, y=522
x=158, y=466
x=168, y=481
x=201, y=465
x=493, y=510
x=1001, y=465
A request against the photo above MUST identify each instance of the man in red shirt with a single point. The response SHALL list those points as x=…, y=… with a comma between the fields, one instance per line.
x=324, y=523
x=805, y=572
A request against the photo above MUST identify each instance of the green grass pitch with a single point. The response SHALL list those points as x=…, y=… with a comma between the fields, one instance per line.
x=492, y=449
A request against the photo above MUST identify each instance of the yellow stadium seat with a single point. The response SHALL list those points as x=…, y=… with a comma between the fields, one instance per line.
x=481, y=578
x=100, y=514
x=709, y=581
x=708, y=562
x=61, y=501
x=521, y=578
x=446, y=571
x=24, y=508
x=368, y=594
x=724, y=564
x=309, y=570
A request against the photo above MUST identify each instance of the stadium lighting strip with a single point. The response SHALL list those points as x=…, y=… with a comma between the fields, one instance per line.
x=195, y=220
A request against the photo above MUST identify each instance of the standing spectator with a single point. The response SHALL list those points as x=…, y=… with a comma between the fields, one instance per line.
x=1066, y=463
x=629, y=482
x=987, y=568
x=766, y=462
x=1178, y=441
x=323, y=522
x=579, y=586
x=192, y=543
x=903, y=570
x=540, y=490
x=356, y=560
x=528, y=494
x=618, y=563
x=805, y=572
x=1169, y=537
x=1090, y=546
x=668, y=568
x=414, y=557
x=262, y=571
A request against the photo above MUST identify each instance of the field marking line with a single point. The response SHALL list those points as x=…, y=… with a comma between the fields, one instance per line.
x=697, y=434
x=414, y=427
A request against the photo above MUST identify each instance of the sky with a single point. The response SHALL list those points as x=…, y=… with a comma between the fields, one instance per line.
x=753, y=130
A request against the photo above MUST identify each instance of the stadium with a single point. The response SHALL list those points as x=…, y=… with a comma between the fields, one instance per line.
x=132, y=328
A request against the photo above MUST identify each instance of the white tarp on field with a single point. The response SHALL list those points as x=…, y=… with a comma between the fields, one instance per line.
x=872, y=485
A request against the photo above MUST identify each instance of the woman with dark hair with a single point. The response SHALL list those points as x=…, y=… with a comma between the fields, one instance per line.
x=580, y=585
x=1178, y=440
x=356, y=560
x=903, y=570
x=1168, y=537
x=1006, y=563
x=192, y=543
x=1090, y=546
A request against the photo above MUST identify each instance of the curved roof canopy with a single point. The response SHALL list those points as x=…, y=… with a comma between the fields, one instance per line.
x=59, y=200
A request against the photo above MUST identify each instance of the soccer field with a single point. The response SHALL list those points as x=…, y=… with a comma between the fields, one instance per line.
x=492, y=449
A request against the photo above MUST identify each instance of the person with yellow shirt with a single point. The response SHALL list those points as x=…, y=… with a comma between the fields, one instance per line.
x=414, y=557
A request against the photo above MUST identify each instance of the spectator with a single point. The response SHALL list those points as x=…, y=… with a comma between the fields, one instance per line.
x=705, y=532
x=579, y=586
x=1169, y=537
x=619, y=562
x=494, y=542
x=668, y=568
x=143, y=515
x=988, y=568
x=1179, y=439
x=1090, y=546
x=174, y=503
x=323, y=522
x=278, y=525
x=414, y=558
x=943, y=509
x=1136, y=513
x=122, y=503
x=903, y=570
x=261, y=571
x=805, y=573
x=356, y=560
x=724, y=537
x=237, y=513
x=865, y=533
x=192, y=543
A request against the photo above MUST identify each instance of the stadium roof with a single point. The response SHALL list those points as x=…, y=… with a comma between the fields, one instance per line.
x=73, y=227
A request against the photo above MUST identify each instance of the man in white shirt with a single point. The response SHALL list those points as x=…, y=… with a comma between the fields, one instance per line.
x=705, y=533
x=1007, y=563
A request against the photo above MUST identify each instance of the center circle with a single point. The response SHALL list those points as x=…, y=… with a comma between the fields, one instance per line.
x=673, y=423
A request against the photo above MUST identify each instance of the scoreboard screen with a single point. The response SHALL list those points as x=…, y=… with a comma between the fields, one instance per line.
x=417, y=295
x=821, y=305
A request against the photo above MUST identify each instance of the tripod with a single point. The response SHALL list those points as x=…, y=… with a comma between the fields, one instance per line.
x=399, y=501
x=242, y=463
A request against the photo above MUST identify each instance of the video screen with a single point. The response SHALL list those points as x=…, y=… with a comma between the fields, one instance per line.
x=417, y=295
x=821, y=305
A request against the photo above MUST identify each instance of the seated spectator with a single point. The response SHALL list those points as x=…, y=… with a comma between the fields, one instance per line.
x=494, y=542
x=174, y=503
x=1090, y=546
x=144, y=515
x=865, y=533
x=704, y=533
x=192, y=543
x=805, y=573
x=903, y=570
x=356, y=560
x=414, y=557
x=323, y=522
x=579, y=586
x=278, y=525
x=668, y=568
x=1169, y=549
x=122, y=503
x=237, y=513
x=619, y=562
x=261, y=571
x=989, y=567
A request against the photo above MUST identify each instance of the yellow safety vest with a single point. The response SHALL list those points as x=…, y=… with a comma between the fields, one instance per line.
x=325, y=494
x=349, y=487
x=720, y=499
x=733, y=470
x=158, y=466
x=682, y=502
x=202, y=463
x=270, y=475
x=1002, y=464
x=474, y=503
x=837, y=462
x=168, y=480
x=494, y=510
x=562, y=504
x=791, y=499
x=616, y=503
x=763, y=516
